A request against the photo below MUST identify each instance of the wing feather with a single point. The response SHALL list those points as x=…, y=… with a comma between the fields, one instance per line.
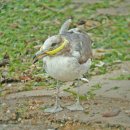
x=80, y=44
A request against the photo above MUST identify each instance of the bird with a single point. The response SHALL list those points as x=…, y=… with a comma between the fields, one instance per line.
x=66, y=57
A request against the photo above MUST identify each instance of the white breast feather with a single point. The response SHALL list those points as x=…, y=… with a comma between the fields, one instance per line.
x=65, y=68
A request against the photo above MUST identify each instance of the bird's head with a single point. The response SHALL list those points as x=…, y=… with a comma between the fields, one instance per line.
x=51, y=46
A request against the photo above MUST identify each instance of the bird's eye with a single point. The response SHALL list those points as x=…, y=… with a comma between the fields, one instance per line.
x=53, y=44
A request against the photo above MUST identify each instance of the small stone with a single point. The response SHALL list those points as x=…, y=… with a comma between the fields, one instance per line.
x=61, y=125
x=85, y=80
x=19, y=119
x=8, y=111
x=9, y=85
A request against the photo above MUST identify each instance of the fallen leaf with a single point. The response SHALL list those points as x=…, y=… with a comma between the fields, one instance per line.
x=25, y=78
x=111, y=113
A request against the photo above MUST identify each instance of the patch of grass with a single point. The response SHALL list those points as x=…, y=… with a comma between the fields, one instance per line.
x=90, y=94
x=82, y=97
x=121, y=77
x=28, y=88
x=21, y=110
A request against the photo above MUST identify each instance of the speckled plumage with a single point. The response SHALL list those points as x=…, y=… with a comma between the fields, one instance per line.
x=74, y=60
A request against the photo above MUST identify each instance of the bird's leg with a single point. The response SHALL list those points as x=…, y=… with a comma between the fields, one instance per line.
x=76, y=106
x=57, y=103
x=56, y=107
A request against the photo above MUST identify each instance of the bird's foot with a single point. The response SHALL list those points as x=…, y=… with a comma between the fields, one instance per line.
x=75, y=107
x=54, y=109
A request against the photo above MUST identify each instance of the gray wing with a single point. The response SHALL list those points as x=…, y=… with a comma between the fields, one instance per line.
x=80, y=44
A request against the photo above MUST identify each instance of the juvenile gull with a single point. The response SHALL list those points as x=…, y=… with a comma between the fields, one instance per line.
x=66, y=56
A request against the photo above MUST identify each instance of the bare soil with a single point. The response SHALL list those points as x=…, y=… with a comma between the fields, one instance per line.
x=110, y=107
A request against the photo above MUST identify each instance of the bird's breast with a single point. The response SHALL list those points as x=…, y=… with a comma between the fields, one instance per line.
x=62, y=68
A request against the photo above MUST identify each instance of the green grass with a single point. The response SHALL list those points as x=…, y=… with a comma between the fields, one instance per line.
x=121, y=77
x=25, y=24
x=90, y=94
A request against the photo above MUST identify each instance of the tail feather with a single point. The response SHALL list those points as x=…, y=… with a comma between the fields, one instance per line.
x=65, y=26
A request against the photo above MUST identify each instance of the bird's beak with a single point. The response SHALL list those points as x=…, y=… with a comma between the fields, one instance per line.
x=42, y=53
x=39, y=55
